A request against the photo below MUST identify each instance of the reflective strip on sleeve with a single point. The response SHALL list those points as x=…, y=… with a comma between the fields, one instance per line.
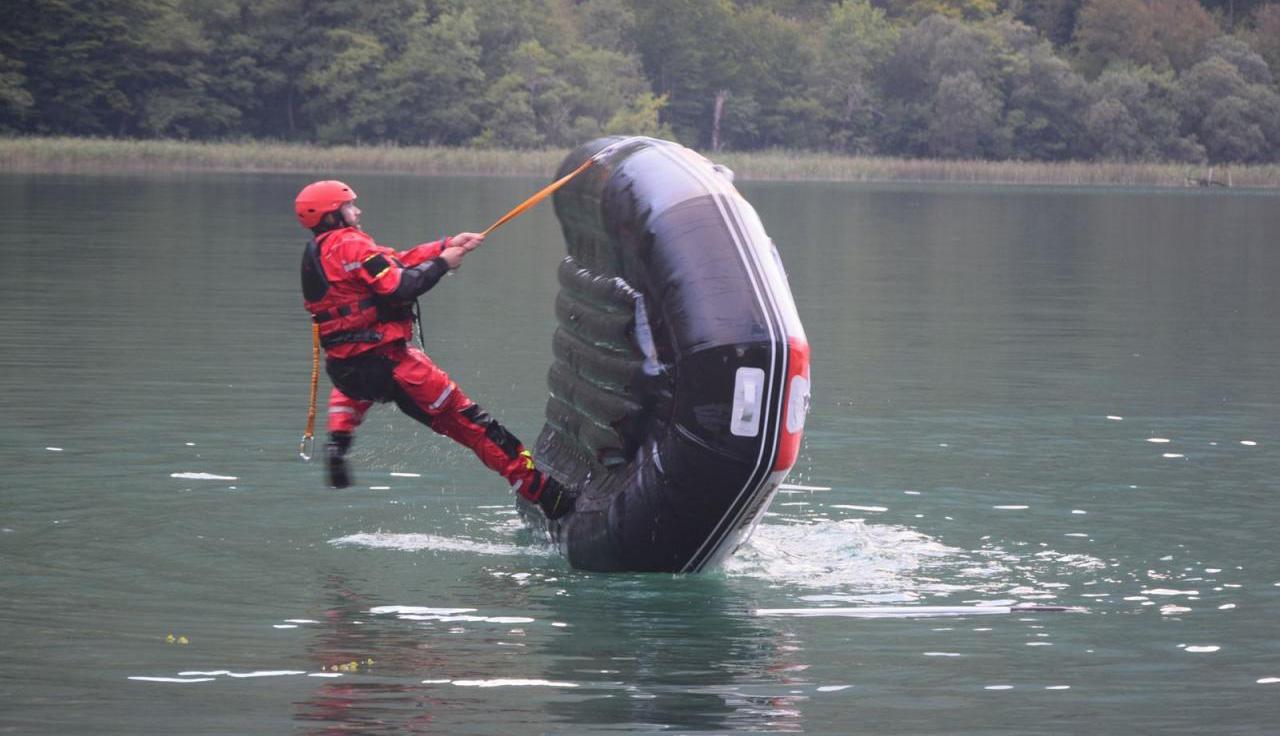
x=376, y=264
x=438, y=402
x=341, y=410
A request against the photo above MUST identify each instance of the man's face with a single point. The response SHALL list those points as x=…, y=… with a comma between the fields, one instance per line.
x=350, y=214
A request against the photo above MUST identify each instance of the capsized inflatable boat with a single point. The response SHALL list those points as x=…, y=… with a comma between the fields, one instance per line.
x=680, y=383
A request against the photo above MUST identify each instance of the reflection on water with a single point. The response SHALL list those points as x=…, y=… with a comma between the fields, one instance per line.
x=626, y=659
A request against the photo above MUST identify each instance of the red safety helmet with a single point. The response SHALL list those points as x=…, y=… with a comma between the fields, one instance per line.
x=319, y=199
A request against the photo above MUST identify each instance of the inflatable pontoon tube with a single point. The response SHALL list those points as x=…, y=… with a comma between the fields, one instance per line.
x=680, y=380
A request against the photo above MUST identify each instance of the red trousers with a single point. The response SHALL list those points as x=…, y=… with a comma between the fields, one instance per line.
x=405, y=375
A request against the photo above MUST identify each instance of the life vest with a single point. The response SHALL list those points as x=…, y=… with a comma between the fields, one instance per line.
x=352, y=318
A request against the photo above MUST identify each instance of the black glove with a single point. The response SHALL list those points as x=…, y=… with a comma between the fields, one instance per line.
x=336, y=453
x=556, y=500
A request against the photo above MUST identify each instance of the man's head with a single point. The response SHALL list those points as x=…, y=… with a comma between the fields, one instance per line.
x=325, y=205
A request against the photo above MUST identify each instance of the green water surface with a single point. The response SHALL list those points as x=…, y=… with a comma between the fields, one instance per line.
x=1048, y=396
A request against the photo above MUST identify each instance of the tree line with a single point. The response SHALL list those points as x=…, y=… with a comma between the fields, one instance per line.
x=1044, y=80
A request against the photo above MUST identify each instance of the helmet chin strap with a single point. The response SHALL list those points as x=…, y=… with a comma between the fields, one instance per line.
x=333, y=221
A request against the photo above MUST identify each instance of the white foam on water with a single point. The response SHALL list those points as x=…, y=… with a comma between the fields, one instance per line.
x=835, y=555
x=885, y=611
x=301, y=621
x=1057, y=687
x=1158, y=440
x=1226, y=606
x=419, y=610
x=445, y=681
x=406, y=475
x=858, y=508
x=1079, y=511
x=1171, y=610
x=324, y=674
x=241, y=675
x=1168, y=591
x=1075, y=534
x=1172, y=455
x=54, y=449
x=911, y=493
x=794, y=487
x=466, y=618
x=1039, y=643
x=436, y=543
x=1011, y=507
x=1203, y=648
x=942, y=654
x=512, y=682
x=1115, y=418
x=1248, y=443
x=284, y=626
x=833, y=688
x=202, y=476
x=997, y=687
x=1269, y=680
x=172, y=679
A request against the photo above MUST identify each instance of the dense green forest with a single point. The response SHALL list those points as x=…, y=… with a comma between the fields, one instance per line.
x=1048, y=80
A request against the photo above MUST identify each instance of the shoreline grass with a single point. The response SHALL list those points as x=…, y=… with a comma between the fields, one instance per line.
x=99, y=155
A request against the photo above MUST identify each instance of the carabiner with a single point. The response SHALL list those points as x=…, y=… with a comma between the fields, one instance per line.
x=307, y=447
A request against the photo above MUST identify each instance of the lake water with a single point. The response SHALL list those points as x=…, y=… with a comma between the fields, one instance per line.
x=1047, y=396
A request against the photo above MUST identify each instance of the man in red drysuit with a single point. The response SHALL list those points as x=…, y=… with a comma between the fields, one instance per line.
x=361, y=295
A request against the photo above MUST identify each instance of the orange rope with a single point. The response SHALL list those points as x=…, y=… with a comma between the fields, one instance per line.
x=541, y=195
x=307, y=445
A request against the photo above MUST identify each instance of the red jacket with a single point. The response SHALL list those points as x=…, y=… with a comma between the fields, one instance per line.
x=361, y=293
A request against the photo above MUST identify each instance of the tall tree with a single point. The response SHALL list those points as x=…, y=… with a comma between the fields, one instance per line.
x=1054, y=19
x=436, y=83
x=1234, y=12
x=966, y=118
x=1110, y=31
x=1043, y=106
x=1228, y=102
x=688, y=55
x=1265, y=36
x=15, y=100
x=1182, y=30
x=1132, y=115
x=857, y=41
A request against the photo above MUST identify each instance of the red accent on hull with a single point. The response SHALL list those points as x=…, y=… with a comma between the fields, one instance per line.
x=795, y=404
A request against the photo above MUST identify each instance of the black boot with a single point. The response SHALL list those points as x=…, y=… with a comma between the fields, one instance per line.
x=336, y=454
x=556, y=500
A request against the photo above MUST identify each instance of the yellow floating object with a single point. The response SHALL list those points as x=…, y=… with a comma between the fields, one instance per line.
x=171, y=638
x=183, y=640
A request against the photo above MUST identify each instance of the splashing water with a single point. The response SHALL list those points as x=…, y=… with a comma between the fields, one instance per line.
x=436, y=543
